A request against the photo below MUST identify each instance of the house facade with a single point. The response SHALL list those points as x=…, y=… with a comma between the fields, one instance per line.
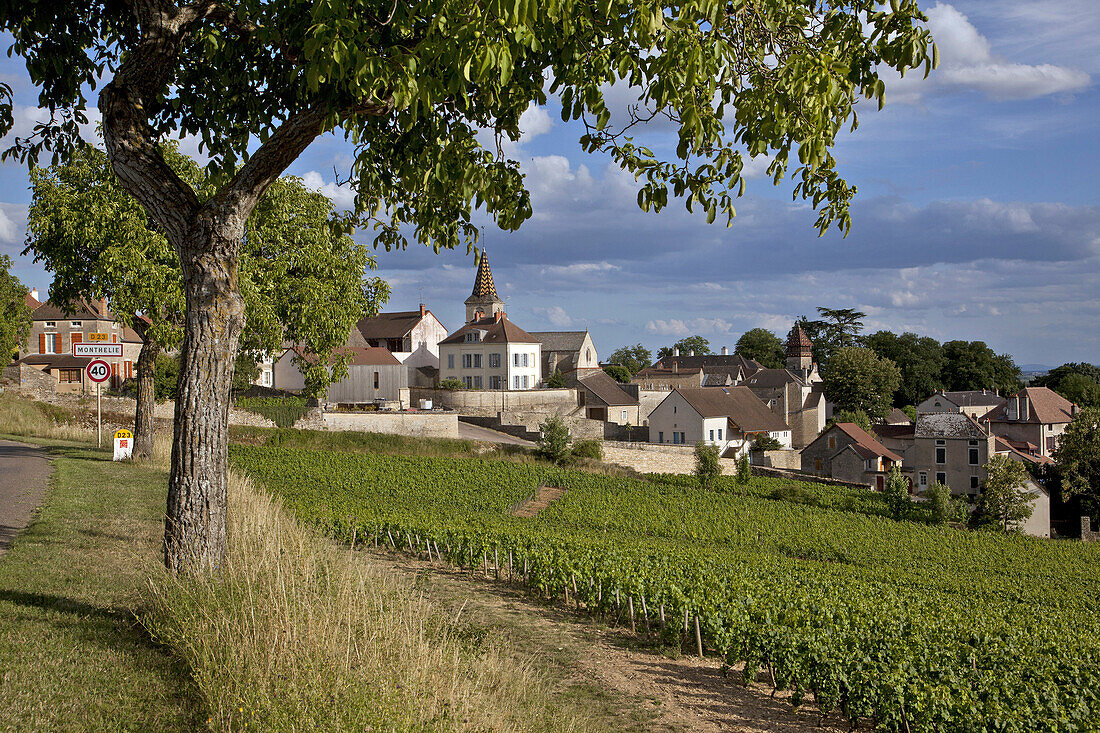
x=730, y=418
x=374, y=374
x=411, y=336
x=572, y=353
x=604, y=399
x=976, y=402
x=1033, y=420
x=951, y=448
x=847, y=452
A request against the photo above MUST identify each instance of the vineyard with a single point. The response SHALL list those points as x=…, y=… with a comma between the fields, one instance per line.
x=907, y=626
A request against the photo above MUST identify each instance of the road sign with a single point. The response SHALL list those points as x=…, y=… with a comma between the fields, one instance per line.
x=97, y=349
x=98, y=370
x=99, y=337
x=124, y=444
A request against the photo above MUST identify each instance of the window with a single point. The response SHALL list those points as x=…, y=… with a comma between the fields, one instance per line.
x=1051, y=442
x=675, y=438
x=941, y=478
x=494, y=361
x=525, y=384
x=467, y=361
x=267, y=379
x=588, y=354
x=494, y=382
x=471, y=337
x=974, y=482
x=468, y=381
x=660, y=437
x=477, y=382
x=923, y=480
x=376, y=380
x=520, y=360
x=674, y=409
x=832, y=442
x=973, y=456
x=69, y=376
x=712, y=435
x=941, y=452
x=75, y=324
x=477, y=361
x=450, y=361
x=624, y=418
x=51, y=324
x=817, y=464
x=719, y=433
x=515, y=382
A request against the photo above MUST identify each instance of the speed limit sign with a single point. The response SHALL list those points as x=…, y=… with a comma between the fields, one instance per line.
x=98, y=370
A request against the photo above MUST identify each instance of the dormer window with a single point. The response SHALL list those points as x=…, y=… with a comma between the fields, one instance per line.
x=75, y=324
x=472, y=337
x=51, y=324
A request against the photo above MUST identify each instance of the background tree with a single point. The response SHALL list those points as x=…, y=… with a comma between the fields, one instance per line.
x=15, y=316
x=708, y=466
x=1077, y=456
x=1004, y=500
x=857, y=379
x=556, y=380
x=619, y=373
x=246, y=370
x=301, y=274
x=1078, y=383
x=689, y=344
x=763, y=346
x=896, y=493
x=633, y=358
x=412, y=87
x=918, y=358
x=973, y=365
x=859, y=417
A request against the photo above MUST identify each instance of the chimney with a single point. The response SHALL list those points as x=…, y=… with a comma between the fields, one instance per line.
x=725, y=351
x=498, y=316
x=423, y=310
x=675, y=350
x=34, y=294
x=691, y=353
x=1024, y=407
x=675, y=367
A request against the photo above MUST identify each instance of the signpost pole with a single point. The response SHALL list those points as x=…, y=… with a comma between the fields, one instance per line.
x=99, y=415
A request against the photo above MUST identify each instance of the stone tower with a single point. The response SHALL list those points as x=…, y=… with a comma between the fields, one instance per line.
x=800, y=358
x=484, y=301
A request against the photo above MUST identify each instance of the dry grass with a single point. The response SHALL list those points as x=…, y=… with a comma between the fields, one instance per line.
x=20, y=416
x=296, y=633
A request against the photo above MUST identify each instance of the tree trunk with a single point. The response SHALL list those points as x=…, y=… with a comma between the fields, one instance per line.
x=146, y=398
x=194, y=533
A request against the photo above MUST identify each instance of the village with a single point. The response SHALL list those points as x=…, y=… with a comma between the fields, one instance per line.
x=490, y=379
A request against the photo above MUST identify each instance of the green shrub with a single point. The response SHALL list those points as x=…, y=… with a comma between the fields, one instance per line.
x=283, y=411
x=588, y=449
x=766, y=442
x=556, y=380
x=452, y=384
x=896, y=492
x=744, y=469
x=939, y=503
x=554, y=441
x=708, y=467
x=800, y=495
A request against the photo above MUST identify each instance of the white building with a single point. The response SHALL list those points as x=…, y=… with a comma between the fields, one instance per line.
x=729, y=417
x=490, y=352
x=411, y=336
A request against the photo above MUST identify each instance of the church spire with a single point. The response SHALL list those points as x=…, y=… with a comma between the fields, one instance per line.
x=483, y=301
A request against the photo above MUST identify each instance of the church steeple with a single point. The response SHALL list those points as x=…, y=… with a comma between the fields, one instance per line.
x=483, y=301
x=800, y=358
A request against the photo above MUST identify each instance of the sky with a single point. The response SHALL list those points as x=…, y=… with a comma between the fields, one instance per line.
x=977, y=217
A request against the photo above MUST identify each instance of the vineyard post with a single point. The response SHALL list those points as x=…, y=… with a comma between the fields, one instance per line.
x=630, y=602
x=510, y=578
x=565, y=592
x=437, y=552
x=698, y=638
x=645, y=613
x=661, y=609
x=685, y=622
x=496, y=564
x=576, y=596
x=408, y=537
x=394, y=544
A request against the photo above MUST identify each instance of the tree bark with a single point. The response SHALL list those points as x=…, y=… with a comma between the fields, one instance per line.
x=146, y=397
x=194, y=533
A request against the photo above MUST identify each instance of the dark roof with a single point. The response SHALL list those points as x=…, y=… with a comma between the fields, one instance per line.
x=895, y=432
x=497, y=330
x=484, y=288
x=798, y=343
x=717, y=379
x=1046, y=406
x=898, y=417
x=947, y=425
x=560, y=340
x=606, y=389
x=1019, y=450
x=56, y=361
x=772, y=378
x=975, y=398
x=50, y=311
x=739, y=404
x=867, y=442
x=729, y=361
x=389, y=325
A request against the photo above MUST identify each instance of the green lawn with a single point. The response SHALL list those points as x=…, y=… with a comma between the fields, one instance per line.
x=72, y=656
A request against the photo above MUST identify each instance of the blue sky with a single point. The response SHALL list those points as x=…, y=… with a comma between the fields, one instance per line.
x=978, y=214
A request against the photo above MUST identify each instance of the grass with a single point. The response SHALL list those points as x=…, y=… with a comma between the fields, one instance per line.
x=356, y=442
x=72, y=654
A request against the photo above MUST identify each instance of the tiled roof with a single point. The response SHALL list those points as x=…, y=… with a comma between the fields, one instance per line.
x=739, y=404
x=389, y=325
x=895, y=432
x=484, y=288
x=1021, y=451
x=866, y=441
x=606, y=389
x=772, y=378
x=947, y=425
x=91, y=309
x=496, y=331
x=717, y=379
x=718, y=361
x=898, y=417
x=975, y=398
x=798, y=343
x=56, y=361
x=560, y=340
x=31, y=301
x=1045, y=406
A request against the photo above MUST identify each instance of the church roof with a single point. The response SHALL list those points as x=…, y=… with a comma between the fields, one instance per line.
x=561, y=340
x=798, y=343
x=484, y=289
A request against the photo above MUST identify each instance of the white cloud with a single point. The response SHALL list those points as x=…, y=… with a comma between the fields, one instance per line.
x=8, y=232
x=534, y=122
x=342, y=197
x=555, y=316
x=968, y=62
x=689, y=327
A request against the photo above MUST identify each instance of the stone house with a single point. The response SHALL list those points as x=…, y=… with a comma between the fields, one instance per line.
x=951, y=448
x=976, y=402
x=1032, y=420
x=572, y=353
x=710, y=370
x=847, y=452
x=411, y=336
x=794, y=394
x=604, y=399
x=492, y=353
x=730, y=418
x=374, y=374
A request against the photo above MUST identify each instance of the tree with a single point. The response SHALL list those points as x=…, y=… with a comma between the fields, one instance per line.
x=859, y=417
x=708, y=466
x=619, y=373
x=744, y=469
x=1078, y=383
x=15, y=315
x=972, y=365
x=857, y=379
x=766, y=442
x=841, y=326
x=763, y=346
x=246, y=370
x=452, y=384
x=411, y=86
x=632, y=358
x=896, y=493
x=553, y=443
x=301, y=275
x=1077, y=456
x=919, y=358
x=556, y=380
x=939, y=503
x=697, y=344
x=1004, y=500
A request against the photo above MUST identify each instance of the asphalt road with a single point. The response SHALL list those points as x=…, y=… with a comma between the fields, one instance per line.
x=24, y=473
x=485, y=435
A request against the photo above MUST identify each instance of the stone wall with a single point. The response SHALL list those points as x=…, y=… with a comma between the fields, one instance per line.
x=647, y=458
x=788, y=459
x=1087, y=533
x=488, y=403
x=415, y=424
x=30, y=380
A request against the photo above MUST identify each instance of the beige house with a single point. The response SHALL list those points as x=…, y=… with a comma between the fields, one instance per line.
x=604, y=399
x=570, y=352
x=848, y=452
x=794, y=394
x=951, y=448
x=1032, y=420
x=374, y=374
x=976, y=402
x=55, y=329
x=730, y=418
x=411, y=336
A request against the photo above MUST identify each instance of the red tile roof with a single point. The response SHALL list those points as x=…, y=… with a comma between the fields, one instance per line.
x=739, y=404
x=1045, y=406
x=866, y=441
x=497, y=330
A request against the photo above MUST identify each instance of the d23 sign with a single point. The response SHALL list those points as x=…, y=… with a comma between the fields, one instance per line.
x=98, y=370
x=124, y=445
